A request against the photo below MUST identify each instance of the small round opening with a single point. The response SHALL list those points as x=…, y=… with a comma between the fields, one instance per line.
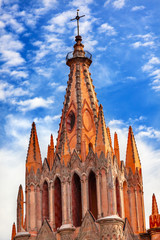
x=70, y=121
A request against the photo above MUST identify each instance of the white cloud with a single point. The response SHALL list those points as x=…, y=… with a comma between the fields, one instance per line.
x=151, y=68
x=61, y=88
x=31, y=104
x=8, y=91
x=137, y=8
x=9, y=49
x=108, y=29
x=145, y=44
x=19, y=74
x=10, y=21
x=119, y=4
x=47, y=119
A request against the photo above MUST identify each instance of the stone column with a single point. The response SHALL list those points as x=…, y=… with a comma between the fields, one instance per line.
x=137, y=210
x=143, y=212
x=68, y=191
x=114, y=200
x=38, y=208
x=51, y=203
x=99, y=202
x=84, y=194
x=64, y=203
x=122, y=202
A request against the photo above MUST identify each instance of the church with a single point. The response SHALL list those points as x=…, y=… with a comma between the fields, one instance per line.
x=82, y=190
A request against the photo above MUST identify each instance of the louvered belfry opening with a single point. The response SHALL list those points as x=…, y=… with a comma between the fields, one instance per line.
x=57, y=203
x=76, y=201
x=45, y=201
x=92, y=194
x=118, y=200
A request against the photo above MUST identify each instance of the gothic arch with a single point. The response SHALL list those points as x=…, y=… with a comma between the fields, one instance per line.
x=76, y=200
x=45, y=201
x=57, y=202
x=92, y=193
x=118, y=197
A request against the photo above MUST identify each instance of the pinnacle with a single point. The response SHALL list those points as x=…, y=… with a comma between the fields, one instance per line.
x=132, y=156
x=51, y=142
x=116, y=148
x=154, y=206
x=33, y=155
x=13, y=231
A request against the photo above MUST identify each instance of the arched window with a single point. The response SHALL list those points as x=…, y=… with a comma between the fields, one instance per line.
x=92, y=194
x=57, y=203
x=45, y=201
x=90, y=146
x=76, y=201
x=118, y=199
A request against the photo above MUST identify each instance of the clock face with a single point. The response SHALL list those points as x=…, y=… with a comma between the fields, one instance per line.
x=70, y=121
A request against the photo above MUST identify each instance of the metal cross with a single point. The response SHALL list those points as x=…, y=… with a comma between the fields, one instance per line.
x=77, y=18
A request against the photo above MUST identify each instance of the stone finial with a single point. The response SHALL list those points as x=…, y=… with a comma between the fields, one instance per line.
x=154, y=218
x=13, y=231
x=102, y=139
x=154, y=206
x=20, y=209
x=50, y=154
x=132, y=156
x=116, y=149
x=34, y=154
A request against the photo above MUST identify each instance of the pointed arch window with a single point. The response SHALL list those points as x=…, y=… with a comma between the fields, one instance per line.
x=76, y=201
x=57, y=203
x=92, y=194
x=45, y=201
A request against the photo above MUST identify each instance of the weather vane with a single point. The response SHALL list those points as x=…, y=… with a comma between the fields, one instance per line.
x=77, y=18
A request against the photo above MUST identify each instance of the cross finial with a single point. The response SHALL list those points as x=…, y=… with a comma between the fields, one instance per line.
x=77, y=18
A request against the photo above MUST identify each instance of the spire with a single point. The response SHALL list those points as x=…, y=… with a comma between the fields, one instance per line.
x=20, y=209
x=154, y=206
x=33, y=155
x=116, y=149
x=109, y=136
x=80, y=110
x=154, y=218
x=132, y=157
x=50, y=154
x=102, y=139
x=13, y=231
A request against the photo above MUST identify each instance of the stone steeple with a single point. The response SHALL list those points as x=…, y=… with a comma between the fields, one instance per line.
x=34, y=155
x=132, y=156
x=50, y=154
x=80, y=110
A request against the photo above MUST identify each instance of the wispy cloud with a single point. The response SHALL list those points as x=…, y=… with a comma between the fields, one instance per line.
x=107, y=29
x=152, y=68
x=137, y=8
x=143, y=44
x=10, y=48
x=8, y=91
x=119, y=4
x=31, y=104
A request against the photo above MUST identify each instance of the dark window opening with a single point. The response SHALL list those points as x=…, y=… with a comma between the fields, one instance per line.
x=76, y=201
x=57, y=203
x=70, y=121
x=92, y=194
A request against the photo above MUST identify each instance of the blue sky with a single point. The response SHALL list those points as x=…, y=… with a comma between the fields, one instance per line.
x=35, y=36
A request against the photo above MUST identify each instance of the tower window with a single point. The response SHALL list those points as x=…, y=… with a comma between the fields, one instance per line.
x=70, y=121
